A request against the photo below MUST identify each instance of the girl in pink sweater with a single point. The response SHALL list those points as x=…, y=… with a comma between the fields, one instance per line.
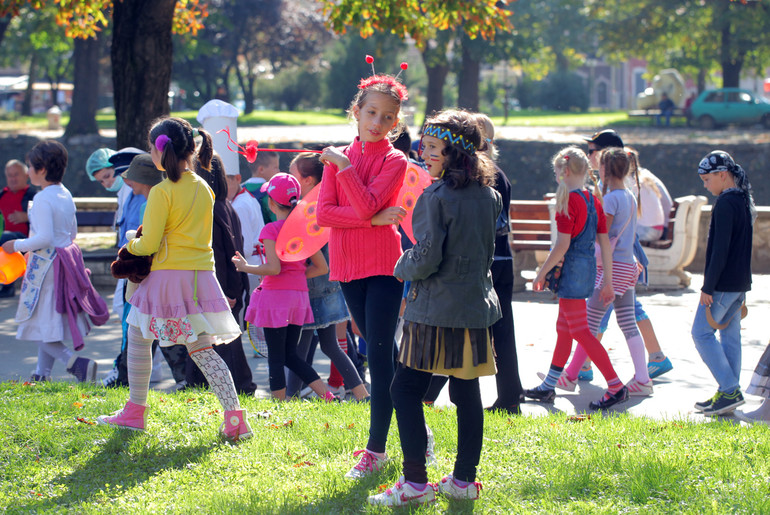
x=358, y=202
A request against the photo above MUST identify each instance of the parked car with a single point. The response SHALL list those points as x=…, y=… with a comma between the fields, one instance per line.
x=721, y=106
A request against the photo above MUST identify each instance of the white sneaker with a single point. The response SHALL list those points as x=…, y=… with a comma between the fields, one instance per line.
x=110, y=379
x=565, y=383
x=430, y=450
x=637, y=389
x=448, y=487
x=403, y=494
x=367, y=465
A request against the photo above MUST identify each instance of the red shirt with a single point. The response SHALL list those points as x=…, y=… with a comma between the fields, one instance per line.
x=577, y=212
x=10, y=202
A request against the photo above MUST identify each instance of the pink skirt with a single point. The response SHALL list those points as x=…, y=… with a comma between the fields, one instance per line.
x=279, y=308
x=624, y=276
x=175, y=306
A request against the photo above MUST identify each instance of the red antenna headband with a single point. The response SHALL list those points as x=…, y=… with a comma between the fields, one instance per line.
x=388, y=80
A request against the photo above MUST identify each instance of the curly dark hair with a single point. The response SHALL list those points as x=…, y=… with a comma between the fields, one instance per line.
x=463, y=167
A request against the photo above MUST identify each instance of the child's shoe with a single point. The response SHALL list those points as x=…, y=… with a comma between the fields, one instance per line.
x=132, y=416
x=235, y=427
x=451, y=489
x=83, y=369
x=111, y=379
x=403, y=494
x=637, y=389
x=724, y=403
x=565, y=383
x=545, y=395
x=658, y=368
x=586, y=374
x=367, y=465
x=36, y=378
x=610, y=399
x=700, y=406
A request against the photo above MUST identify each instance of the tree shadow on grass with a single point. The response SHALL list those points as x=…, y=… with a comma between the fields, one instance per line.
x=118, y=465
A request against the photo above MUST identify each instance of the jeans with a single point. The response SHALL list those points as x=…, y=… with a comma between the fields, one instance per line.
x=722, y=356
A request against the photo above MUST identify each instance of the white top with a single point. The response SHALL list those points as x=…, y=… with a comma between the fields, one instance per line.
x=250, y=214
x=621, y=204
x=652, y=209
x=51, y=219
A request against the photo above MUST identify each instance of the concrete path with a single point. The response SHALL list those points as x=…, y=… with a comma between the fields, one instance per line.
x=535, y=314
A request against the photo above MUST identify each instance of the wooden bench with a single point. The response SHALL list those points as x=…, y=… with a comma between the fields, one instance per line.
x=669, y=257
x=530, y=236
x=97, y=214
x=678, y=112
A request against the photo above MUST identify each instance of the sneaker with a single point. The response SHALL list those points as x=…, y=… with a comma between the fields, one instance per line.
x=725, y=403
x=541, y=395
x=367, y=465
x=83, y=369
x=451, y=489
x=700, y=406
x=637, y=389
x=403, y=494
x=658, y=368
x=564, y=382
x=132, y=416
x=610, y=400
x=338, y=391
x=586, y=375
x=111, y=379
x=35, y=378
x=306, y=392
x=236, y=426
x=430, y=449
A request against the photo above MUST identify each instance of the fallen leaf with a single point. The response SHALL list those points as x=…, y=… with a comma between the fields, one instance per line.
x=351, y=425
x=304, y=464
x=81, y=419
x=579, y=418
x=382, y=488
x=77, y=404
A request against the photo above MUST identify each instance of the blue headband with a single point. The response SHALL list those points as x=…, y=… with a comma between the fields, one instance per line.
x=456, y=140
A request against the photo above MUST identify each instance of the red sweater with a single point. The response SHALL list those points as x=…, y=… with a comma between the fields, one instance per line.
x=347, y=202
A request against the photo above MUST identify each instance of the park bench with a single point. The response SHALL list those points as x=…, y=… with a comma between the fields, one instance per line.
x=97, y=214
x=530, y=236
x=652, y=114
x=670, y=256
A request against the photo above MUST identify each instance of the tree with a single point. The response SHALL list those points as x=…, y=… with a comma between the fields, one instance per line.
x=421, y=20
x=696, y=36
x=141, y=50
x=85, y=92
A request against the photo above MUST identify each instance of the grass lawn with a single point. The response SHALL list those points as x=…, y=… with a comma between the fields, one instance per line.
x=336, y=117
x=55, y=461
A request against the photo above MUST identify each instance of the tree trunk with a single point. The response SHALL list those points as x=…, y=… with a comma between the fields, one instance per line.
x=85, y=93
x=468, y=89
x=4, y=22
x=141, y=54
x=26, y=105
x=248, y=97
x=731, y=64
x=437, y=66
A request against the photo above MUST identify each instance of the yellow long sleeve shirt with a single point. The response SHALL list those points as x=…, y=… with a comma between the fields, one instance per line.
x=187, y=232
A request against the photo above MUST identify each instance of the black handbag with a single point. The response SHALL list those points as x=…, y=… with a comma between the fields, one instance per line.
x=552, y=278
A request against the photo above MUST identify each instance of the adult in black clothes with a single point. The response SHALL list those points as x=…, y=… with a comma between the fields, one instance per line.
x=226, y=238
x=509, y=389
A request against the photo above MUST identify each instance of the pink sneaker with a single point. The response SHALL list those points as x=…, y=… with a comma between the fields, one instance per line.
x=132, y=416
x=565, y=383
x=451, y=489
x=235, y=427
x=368, y=464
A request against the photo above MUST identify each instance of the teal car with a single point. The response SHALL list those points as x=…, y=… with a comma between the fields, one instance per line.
x=724, y=106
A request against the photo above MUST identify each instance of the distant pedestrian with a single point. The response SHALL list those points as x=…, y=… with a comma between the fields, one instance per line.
x=726, y=279
x=57, y=300
x=666, y=106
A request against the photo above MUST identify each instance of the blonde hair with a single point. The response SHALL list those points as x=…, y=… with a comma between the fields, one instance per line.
x=487, y=135
x=574, y=159
x=635, y=172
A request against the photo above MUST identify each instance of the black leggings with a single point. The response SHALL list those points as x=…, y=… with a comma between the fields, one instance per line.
x=408, y=389
x=282, y=351
x=374, y=303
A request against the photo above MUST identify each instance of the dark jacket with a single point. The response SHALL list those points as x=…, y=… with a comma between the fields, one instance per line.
x=728, y=251
x=226, y=238
x=449, y=265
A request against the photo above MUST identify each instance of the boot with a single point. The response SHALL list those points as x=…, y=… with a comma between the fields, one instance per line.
x=132, y=416
x=235, y=427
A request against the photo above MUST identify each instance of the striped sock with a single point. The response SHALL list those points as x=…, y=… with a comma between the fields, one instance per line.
x=549, y=383
x=139, y=358
x=614, y=386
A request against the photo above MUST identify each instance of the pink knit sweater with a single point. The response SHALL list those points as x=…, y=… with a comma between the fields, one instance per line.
x=347, y=202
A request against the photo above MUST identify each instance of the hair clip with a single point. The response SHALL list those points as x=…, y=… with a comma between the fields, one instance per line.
x=161, y=142
x=251, y=149
x=566, y=158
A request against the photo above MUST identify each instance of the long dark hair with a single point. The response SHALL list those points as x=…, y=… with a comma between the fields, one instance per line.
x=178, y=151
x=463, y=166
x=214, y=176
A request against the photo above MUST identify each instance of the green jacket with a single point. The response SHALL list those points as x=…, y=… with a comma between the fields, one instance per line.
x=449, y=266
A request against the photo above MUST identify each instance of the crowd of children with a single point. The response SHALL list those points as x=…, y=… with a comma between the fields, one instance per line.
x=203, y=234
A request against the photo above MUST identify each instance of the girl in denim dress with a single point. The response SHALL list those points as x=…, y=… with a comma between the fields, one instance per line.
x=581, y=223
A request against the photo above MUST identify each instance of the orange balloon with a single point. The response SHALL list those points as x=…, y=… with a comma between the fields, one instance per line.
x=12, y=266
x=301, y=236
x=415, y=181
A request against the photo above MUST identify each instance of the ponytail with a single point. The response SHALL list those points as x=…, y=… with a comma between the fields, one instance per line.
x=206, y=150
x=177, y=146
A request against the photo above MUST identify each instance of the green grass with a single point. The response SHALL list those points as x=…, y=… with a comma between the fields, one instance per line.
x=336, y=117
x=52, y=462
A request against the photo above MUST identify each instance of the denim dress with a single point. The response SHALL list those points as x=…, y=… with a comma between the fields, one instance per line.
x=326, y=300
x=578, y=271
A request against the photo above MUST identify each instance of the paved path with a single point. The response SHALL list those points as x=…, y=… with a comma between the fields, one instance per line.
x=535, y=316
